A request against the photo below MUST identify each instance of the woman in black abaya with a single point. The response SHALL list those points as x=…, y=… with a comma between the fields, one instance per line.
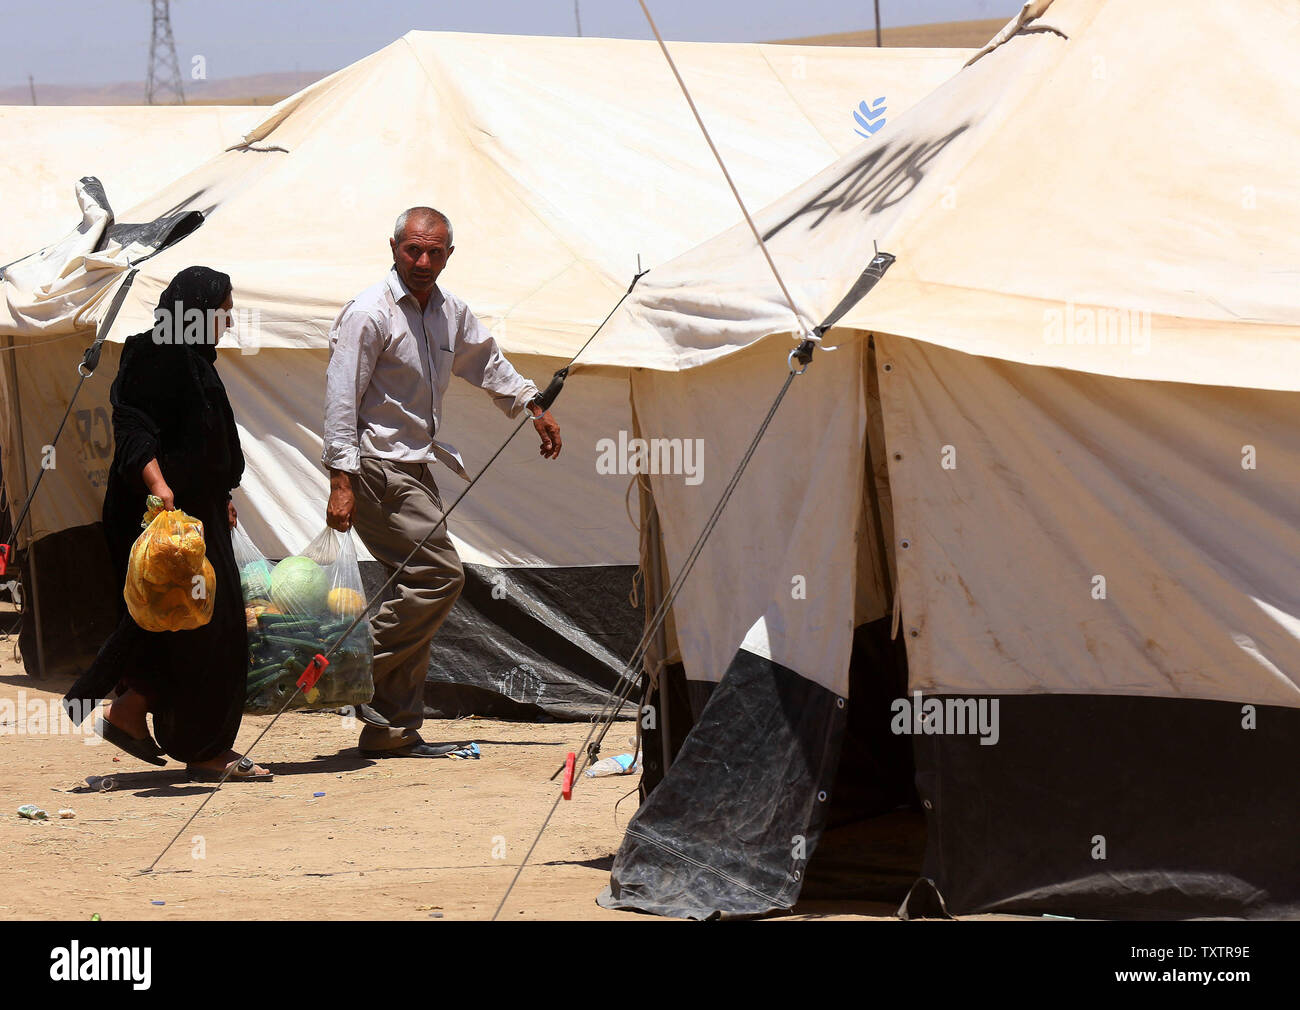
x=175, y=438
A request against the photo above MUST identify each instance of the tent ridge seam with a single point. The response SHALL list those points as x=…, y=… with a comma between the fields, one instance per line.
x=795, y=102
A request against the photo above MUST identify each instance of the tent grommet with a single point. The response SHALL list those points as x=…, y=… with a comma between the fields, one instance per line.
x=927, y=804
x=898, y=456
x=888, y=366
x=821, y=796
x=839, y=702
x=905, y=543
x=914, y=632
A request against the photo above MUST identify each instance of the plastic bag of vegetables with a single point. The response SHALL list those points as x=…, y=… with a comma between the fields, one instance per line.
x=170, y=584
x=297, y=608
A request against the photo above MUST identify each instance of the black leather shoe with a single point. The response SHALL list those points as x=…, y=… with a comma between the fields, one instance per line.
x=415, y=750
x=370, y=717
x=143, y=749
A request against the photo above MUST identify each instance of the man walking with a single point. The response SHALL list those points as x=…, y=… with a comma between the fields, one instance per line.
x=393, y=350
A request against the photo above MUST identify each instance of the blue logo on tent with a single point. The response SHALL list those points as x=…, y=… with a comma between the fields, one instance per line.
x=870, y=117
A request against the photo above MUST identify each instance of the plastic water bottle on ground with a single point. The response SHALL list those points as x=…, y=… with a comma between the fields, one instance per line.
x=619, y=764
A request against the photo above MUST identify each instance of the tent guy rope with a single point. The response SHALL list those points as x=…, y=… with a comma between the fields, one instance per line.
x=798, y=317
x=614, y=702
x=803, y=354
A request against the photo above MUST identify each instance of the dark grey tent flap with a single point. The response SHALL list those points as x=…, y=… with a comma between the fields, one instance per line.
x=526, y=643
x=1084, y=805
x=159, y=233
x=1117, y=807
x=163, y=231
x=730, y=829
x=79, y=601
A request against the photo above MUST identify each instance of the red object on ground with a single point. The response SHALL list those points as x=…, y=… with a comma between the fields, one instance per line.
x=4, y=559
x=566, y=785
x=312, y=674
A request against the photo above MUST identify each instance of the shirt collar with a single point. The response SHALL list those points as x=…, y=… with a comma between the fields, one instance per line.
x=401, y=291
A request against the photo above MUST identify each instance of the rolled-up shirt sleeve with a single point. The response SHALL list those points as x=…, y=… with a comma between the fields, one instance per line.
x=355, y=343
x=478, y=359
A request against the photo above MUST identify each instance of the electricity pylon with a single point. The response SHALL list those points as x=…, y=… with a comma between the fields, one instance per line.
x=164, y=67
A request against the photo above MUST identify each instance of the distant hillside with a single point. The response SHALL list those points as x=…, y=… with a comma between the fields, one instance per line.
x=267, y=89
x=945, y=35
x=253, y=89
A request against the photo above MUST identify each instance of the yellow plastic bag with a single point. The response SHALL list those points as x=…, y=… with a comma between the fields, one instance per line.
x=170, y=584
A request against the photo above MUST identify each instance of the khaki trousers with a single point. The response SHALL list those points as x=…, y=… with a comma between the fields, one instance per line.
x=396, y=504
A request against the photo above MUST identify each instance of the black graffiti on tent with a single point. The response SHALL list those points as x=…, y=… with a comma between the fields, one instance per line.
x=879, y=179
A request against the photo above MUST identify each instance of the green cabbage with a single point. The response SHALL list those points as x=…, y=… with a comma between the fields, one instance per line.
x=299, y=586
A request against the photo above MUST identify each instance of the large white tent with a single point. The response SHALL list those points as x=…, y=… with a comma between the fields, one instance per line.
x=1055, y=450
x=564, y=164
x=134, y=150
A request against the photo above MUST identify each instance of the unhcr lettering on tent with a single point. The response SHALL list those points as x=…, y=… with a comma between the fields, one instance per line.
x=681, y=456
x=1099, y=327
x=917, y=716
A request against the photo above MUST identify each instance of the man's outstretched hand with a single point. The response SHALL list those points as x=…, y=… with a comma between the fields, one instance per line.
x=549, y=431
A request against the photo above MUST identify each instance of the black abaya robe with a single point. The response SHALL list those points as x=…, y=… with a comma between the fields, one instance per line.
x=170, y=404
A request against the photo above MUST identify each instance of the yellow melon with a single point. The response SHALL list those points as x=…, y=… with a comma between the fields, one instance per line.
x=345, y=602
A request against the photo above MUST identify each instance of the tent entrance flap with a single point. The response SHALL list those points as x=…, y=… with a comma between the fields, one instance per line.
x=873, y=841
x=826, y=807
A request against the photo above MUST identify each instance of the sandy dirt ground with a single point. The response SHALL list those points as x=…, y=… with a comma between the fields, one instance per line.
x=335, y=836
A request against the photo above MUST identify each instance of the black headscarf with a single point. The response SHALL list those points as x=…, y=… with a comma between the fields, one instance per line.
x=168, y=398
x=195, y=292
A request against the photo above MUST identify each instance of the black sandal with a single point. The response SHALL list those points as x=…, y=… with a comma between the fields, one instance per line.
x=242, y=772
x=143, y=749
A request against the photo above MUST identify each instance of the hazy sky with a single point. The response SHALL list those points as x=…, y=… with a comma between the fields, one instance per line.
x=104, y=41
